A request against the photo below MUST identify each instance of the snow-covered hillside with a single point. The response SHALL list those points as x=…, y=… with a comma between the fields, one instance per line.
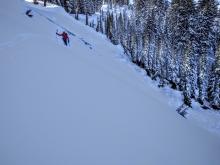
x=83, y=104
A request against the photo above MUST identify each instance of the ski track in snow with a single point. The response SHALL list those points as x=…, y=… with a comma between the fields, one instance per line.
x=202, y=119
x=74, y=105
x=53, y=20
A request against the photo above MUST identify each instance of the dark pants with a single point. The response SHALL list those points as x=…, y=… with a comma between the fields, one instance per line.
x=65, y=41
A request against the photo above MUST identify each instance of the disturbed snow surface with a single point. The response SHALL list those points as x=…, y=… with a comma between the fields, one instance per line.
x=76, y=105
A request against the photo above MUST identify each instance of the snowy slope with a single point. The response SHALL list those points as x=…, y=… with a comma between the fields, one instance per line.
x=76, y=105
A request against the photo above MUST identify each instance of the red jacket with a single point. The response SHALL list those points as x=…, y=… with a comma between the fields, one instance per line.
x=64, y=35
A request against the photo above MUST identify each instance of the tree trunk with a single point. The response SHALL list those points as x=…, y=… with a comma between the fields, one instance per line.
x=35, y=2
x=45, y=3
x=65, y=5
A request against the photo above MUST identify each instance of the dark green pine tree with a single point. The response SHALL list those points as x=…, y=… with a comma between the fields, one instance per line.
x=120, y=28
x=186, y=55
x=211, y=84
x=101, y=24
x=174, y=35
x=207, y=11
x=180, y=14
x=109, y=26
x=114, y=32
x=159, y=9
x=193, y=74
x=130, y=40
x=99, y=27
x=187, y=78
x=87, y=19
x=213, y=91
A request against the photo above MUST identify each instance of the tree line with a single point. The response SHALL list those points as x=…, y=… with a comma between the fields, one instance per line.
x=176, y=43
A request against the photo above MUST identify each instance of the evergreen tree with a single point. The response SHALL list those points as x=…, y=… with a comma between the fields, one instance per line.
x=213, y=92
x=207, y=11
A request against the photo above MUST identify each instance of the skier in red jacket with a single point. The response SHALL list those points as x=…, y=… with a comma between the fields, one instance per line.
x=64, y=36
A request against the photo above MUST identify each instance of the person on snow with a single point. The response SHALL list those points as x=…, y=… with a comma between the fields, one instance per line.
x=64, y=36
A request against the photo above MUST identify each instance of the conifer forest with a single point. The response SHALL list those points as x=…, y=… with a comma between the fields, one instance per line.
x=176, y=42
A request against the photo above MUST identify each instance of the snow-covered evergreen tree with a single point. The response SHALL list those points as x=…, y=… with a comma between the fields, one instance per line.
x=213, y=92
x=207, y=11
